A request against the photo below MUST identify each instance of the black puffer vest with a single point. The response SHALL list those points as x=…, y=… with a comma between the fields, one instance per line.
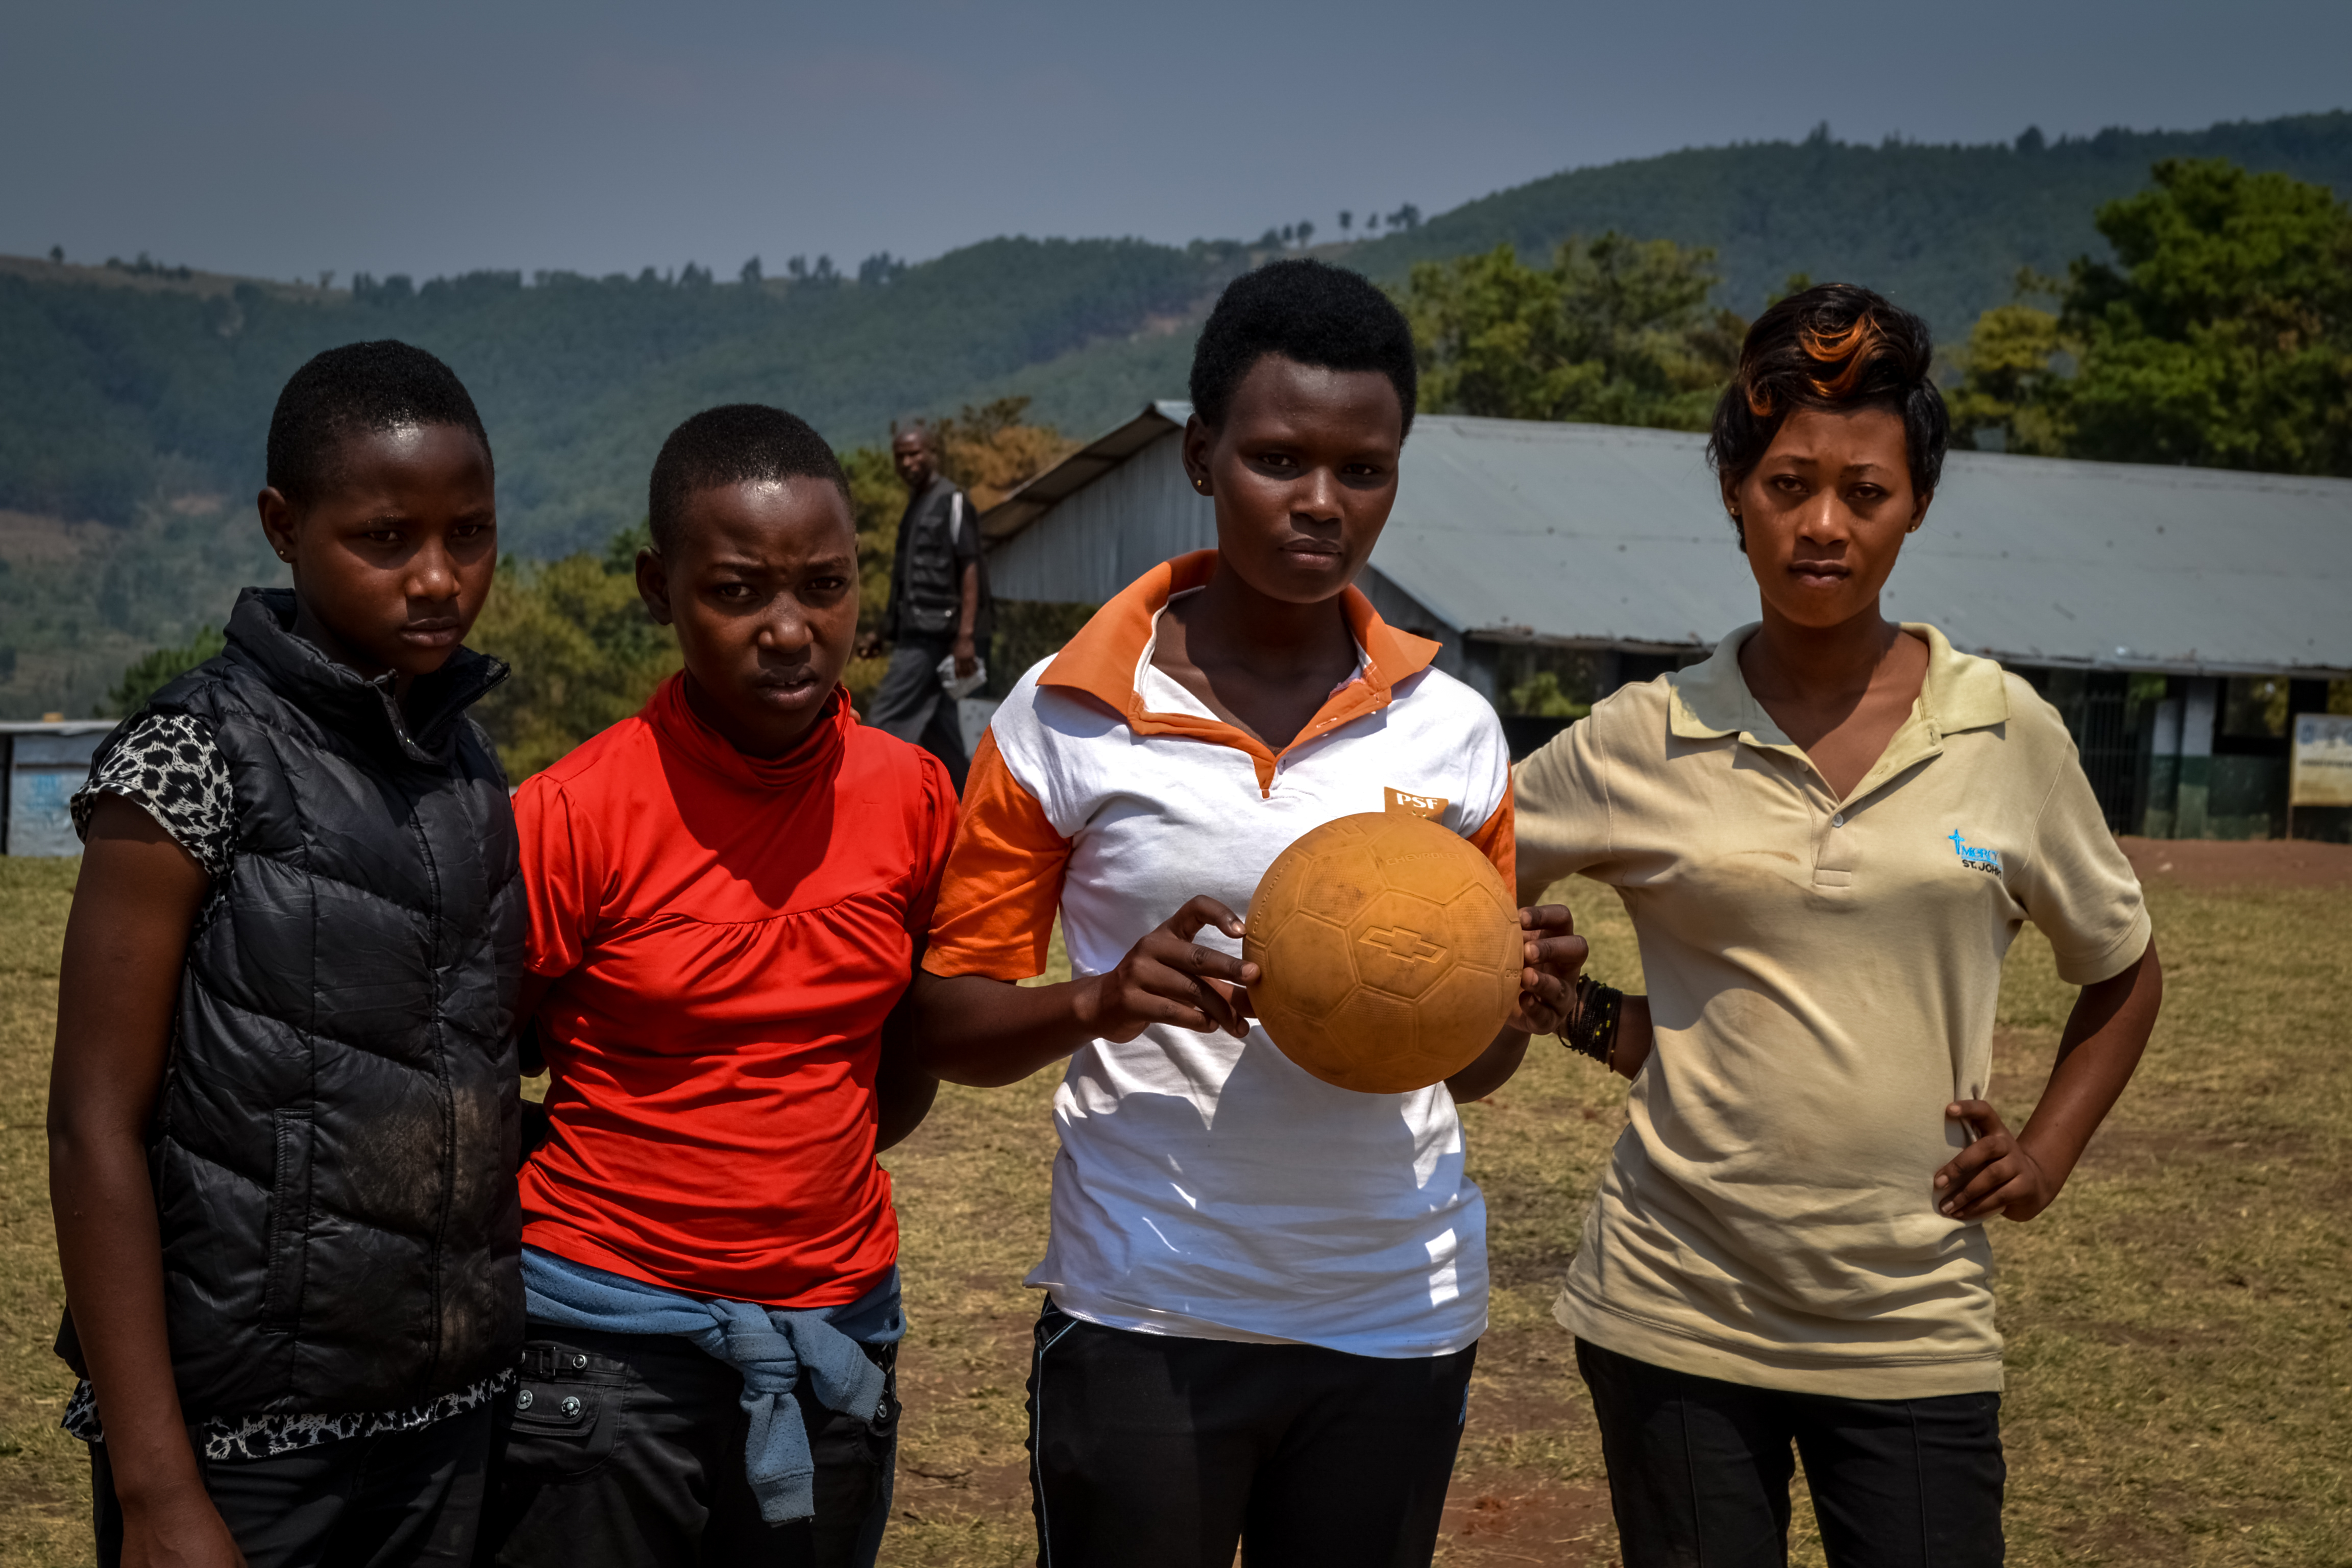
x=334, y=1149
x=926, y=575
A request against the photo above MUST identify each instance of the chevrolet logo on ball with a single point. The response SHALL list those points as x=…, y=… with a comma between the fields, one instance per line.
x=1409, y=945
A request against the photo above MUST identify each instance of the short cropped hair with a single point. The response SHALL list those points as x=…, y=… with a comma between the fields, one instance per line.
x=1306, y=310
x=1836, y=347
x=358, y=389
x=736, y=443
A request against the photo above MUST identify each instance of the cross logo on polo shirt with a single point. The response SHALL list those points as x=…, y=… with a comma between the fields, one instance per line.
x=1974, y=858
x=1409, y=945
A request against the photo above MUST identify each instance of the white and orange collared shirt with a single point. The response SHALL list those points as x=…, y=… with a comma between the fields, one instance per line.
x=1207, y=1187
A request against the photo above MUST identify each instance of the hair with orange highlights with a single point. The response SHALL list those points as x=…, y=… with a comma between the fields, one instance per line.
x=1837, y=347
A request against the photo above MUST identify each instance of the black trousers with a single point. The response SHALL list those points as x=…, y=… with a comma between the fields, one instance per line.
x=1699, y=1471
x=1149, y=1451
x=386, y=1502
x=630, y=1455
x=911, y=704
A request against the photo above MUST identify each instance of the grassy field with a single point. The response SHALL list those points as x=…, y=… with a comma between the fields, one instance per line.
x=2180, y=1363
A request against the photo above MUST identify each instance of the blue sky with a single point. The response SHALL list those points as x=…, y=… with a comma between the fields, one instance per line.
x=284, y=139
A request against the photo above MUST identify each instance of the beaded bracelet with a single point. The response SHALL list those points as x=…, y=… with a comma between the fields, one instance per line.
x=1591, y=1030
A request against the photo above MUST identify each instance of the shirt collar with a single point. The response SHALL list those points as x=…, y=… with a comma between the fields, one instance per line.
x=1711, y=700
x=260, y=635
x=1101, y=660
x=681, y=729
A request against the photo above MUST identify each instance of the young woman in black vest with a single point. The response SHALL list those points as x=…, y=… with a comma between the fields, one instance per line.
x=282, y=1113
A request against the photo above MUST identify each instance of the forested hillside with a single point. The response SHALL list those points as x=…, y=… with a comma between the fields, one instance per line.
x=111, y=396
x=133, y=400
x=1941, y=229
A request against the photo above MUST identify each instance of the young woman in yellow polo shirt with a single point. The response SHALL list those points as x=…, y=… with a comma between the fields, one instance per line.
x=1827, y=836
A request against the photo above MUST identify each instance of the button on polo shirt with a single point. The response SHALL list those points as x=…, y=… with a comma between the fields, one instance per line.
x=1824, y=974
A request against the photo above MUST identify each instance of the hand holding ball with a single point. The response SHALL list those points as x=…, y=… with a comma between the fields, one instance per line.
x=1391, y=952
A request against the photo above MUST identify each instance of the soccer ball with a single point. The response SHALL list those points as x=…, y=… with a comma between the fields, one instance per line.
x=1391, y=949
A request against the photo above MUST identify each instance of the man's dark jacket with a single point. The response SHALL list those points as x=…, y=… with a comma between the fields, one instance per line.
x=333, y=1152
x=938, y=534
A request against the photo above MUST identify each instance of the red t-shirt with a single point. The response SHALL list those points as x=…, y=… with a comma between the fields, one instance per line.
x=725, y=937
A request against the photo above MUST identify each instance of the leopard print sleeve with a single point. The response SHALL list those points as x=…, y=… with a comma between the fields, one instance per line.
x=169, y=766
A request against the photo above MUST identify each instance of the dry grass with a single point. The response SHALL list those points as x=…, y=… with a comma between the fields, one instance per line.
x=43, y=1474
x=2180, y=1363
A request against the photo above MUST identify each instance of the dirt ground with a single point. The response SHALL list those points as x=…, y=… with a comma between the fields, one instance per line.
x=2169, y=1322
x=2256, y=863
x=2179, y=1357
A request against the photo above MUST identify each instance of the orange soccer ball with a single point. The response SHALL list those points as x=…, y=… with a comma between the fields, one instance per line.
x=1391, y=949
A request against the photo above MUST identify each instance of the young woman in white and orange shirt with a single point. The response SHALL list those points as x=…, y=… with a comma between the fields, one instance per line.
x=1263, y=1293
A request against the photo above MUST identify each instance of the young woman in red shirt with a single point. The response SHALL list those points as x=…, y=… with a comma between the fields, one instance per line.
x=727, y=897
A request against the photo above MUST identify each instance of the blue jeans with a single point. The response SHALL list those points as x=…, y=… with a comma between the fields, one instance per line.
x=1699, y=1471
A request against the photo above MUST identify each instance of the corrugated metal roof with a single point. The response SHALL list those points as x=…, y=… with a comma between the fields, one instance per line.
x=1080, y=468
x=1604, y=536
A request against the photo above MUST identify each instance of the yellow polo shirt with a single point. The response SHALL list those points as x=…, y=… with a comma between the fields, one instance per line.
x=1822, y=978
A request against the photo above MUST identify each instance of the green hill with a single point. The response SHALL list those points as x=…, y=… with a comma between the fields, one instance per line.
x=1942, y=230
x=133, y=400
x=110, y=396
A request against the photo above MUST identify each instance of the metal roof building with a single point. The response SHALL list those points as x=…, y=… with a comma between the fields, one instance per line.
x=1516, y=534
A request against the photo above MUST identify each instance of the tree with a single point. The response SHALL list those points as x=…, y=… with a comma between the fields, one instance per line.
x=1616, y=331
x=585, y=654
x=1305, y=231
x=750, y=276
x=2220, y=336
x=877, y=499
x=1346, y=221
x=2007, y=375
x=1540, y=696
x=991, y=451
x=151, y=673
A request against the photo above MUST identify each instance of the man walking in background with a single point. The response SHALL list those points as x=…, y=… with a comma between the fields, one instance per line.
x=937, y=607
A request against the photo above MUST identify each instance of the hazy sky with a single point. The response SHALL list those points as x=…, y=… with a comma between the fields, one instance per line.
x=281, y=138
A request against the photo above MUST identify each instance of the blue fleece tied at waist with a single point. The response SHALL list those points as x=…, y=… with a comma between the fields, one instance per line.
x=769, y=1348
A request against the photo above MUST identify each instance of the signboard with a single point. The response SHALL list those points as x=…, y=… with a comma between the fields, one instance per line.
x=2320, y=772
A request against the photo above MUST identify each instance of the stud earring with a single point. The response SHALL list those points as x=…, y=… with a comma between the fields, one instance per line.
x=1201, y=486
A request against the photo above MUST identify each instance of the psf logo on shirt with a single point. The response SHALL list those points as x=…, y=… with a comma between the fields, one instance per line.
x=1974, y=858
